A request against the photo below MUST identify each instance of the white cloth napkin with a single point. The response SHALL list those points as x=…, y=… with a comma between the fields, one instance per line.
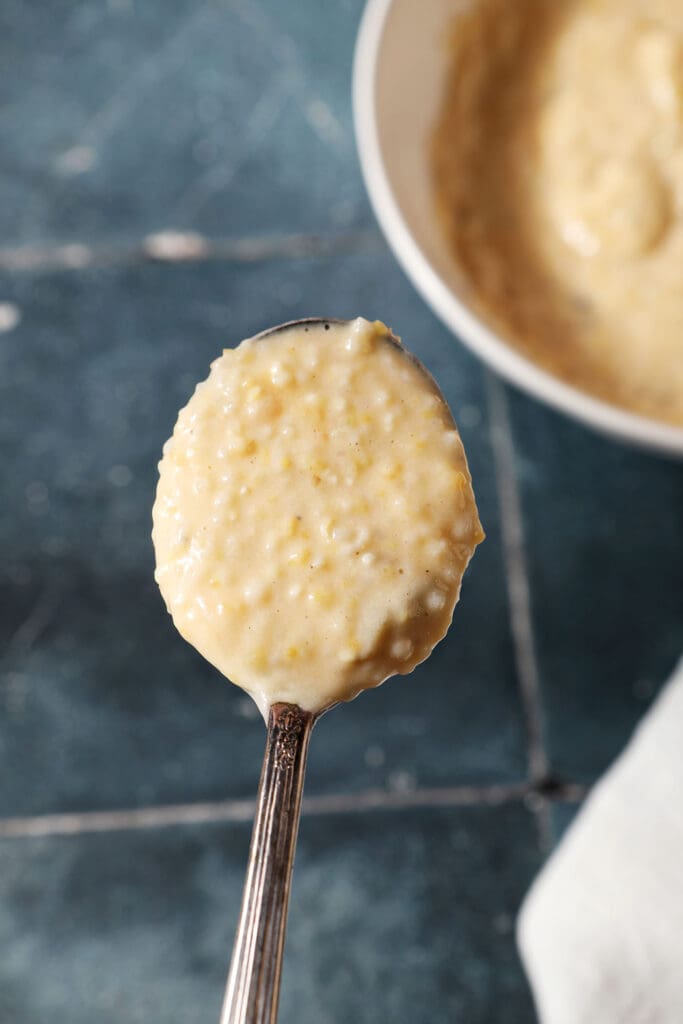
x=601, y=930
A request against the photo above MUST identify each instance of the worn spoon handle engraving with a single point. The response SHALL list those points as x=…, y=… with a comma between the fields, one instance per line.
x=253, y=987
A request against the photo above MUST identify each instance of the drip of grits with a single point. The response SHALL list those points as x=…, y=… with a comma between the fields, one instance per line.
x=558, y=165
x=314, y=514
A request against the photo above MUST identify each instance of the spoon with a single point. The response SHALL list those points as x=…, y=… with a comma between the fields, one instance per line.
x=253, y=984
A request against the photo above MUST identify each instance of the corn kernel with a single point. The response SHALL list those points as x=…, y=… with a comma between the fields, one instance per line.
x=259, y=659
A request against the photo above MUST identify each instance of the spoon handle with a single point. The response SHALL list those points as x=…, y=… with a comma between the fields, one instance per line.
x=253, y=986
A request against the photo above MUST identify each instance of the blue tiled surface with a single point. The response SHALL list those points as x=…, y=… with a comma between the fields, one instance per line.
x=605, y=557
x=145, y=116
x=563, y=815
x=232, y=118
x=403, y=917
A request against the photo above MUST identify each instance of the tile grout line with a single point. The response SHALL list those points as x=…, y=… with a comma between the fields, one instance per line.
x=170, y=246
x=512, y=531
x=241, y=811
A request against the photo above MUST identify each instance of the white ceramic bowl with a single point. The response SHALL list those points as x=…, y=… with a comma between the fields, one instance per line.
x=399, y=70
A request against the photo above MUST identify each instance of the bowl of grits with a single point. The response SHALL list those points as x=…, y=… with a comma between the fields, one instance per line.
x=525, y=161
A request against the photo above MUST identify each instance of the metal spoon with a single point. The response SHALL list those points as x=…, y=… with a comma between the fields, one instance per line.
x=253, y=986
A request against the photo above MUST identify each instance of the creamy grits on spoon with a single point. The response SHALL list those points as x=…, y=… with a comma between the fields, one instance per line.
x=313, y=520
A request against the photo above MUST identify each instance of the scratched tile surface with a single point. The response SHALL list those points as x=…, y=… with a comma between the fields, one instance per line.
x=230, y=118
x=405, y=917
x=605, y=557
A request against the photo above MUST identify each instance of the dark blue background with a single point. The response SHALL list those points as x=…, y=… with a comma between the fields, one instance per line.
x=432, y=801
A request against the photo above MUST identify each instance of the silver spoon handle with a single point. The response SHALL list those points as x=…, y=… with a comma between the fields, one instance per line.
x=253, y=987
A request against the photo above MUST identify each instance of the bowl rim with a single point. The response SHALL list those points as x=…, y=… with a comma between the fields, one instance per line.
x=453, y=312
